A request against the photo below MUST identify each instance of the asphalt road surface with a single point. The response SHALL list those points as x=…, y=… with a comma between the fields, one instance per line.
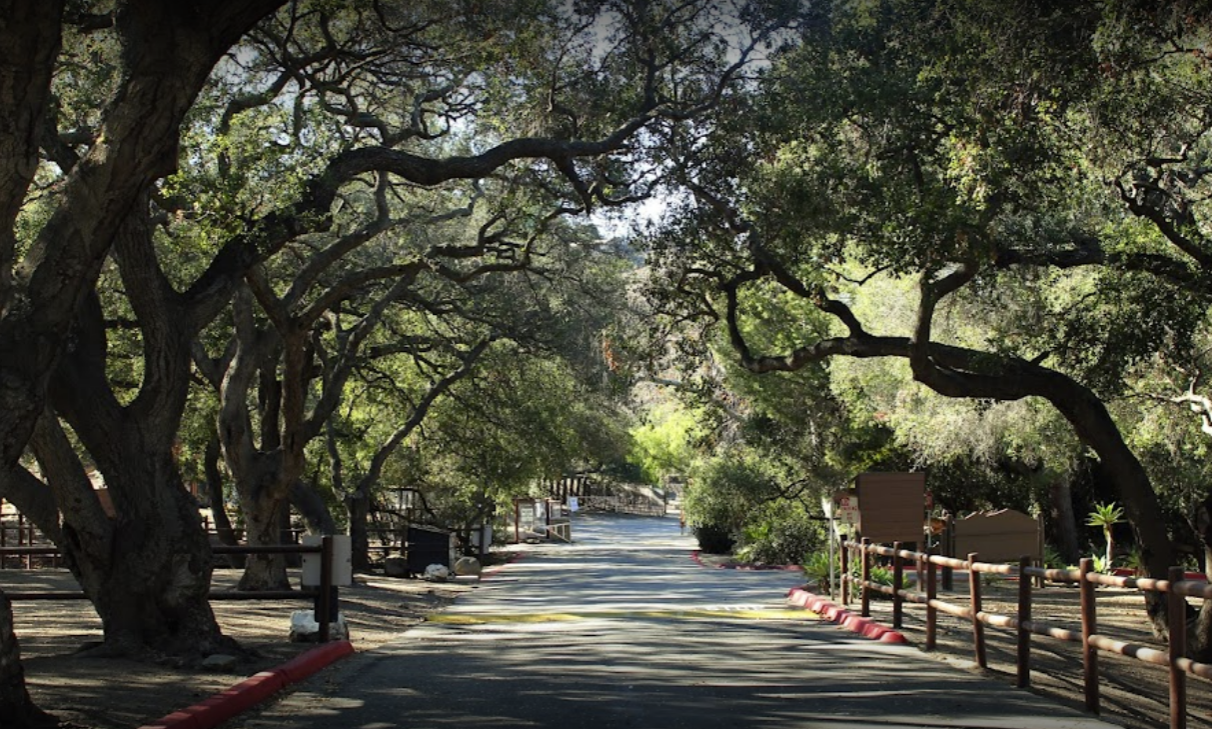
x=623, y=629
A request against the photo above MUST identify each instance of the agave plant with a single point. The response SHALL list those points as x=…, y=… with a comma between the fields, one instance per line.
x=1106, y=516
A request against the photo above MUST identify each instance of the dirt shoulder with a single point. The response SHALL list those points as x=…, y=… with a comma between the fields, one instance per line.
x=110, y=693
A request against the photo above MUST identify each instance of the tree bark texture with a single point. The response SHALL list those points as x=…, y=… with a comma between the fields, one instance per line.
x=263, y=509
x=16, y=707
x=30, y=40
x=149, y=585
x=147, y=566
x=306, y=499
x=1064, y=523
x=357, y=508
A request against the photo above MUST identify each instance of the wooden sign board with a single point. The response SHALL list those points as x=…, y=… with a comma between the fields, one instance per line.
x=997, y=536
x=892, y=506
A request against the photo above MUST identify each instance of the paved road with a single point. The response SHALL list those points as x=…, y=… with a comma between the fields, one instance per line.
x=622, y=629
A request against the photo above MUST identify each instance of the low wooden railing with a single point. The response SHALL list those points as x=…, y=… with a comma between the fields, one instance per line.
x=325, y=595
x=20, y=533
x=622, y=504
x=1091, y=641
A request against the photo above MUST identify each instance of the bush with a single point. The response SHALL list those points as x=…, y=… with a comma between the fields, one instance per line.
x=780, y=534
x=714, y=539
x=816, y=568
x=879, y=575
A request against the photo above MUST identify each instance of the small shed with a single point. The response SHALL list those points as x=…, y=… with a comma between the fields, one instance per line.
x=426, y=545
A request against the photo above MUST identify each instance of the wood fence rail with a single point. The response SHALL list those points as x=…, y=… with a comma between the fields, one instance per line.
x=20, y=532
x=325, y=595
x=1176, y=587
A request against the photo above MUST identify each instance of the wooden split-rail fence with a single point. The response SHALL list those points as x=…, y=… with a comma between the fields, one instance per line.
x=1172, y=659
x=325, y=595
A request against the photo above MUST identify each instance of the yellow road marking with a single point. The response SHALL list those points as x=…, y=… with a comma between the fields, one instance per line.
x=474, y=619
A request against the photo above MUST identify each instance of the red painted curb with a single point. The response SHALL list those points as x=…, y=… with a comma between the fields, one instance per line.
x=865, y=627
x=305, y=664
x=253, y=690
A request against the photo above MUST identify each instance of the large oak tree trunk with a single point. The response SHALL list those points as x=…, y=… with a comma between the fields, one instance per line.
x=259, y=470
x=1064, y=522
x=16, y=707
x=30, y=39
x=147, y=565
x=150, y=589
x=263, y=528
x=136, y=144
x=1200, y=631
x=146, y=568
x=306, y=499
x=357, y=507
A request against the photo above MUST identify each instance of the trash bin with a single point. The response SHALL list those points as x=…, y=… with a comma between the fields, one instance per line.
x=428, y=545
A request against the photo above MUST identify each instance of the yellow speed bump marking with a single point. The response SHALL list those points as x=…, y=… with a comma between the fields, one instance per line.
x=740, y=614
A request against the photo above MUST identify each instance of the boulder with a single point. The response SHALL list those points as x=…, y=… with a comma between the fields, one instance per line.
x=437, y=573
x=467, y=566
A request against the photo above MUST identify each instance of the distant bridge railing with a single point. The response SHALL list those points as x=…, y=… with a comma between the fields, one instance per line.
x=622, y=504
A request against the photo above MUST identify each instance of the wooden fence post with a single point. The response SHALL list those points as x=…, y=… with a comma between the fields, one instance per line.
x=898, y=583
x=1177, y=613
x=324, y=602
x=865, y=577
x=845, y=581
x=948, y=550
x=931, y=611
x=974, y=597
x=25, y=538
x=1024, y=617
x=1089, y=628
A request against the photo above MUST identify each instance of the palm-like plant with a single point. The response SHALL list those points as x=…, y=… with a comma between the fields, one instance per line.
x=1106, y=516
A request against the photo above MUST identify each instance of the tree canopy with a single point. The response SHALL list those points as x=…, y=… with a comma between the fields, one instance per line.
x=274, y=200
x=303, y=249
x=1014, y=171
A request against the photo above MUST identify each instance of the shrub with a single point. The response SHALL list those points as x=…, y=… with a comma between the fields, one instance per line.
x=714, y=539
x=816, y=568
